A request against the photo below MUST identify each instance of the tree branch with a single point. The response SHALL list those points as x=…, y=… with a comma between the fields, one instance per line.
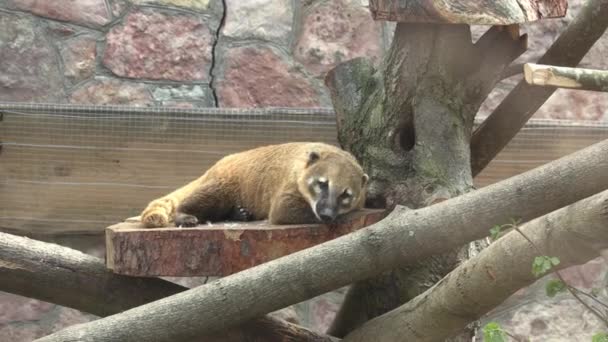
x=524, y=100
x=575, y=234
x=70, y=278
x=401, y=238
x=563, y=77
x=559, y=276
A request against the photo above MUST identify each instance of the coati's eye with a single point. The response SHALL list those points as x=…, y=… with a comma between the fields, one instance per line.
x=319, y=185
x=323, y=183
x=346, y=197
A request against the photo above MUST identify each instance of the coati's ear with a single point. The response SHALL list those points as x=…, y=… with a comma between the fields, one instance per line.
x=312, y=158
x=364, y=179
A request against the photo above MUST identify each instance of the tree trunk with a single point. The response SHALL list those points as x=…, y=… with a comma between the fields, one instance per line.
x=524, y=100
x=562, y=77
x=70, y=278
x=575, y=234
x=409, y=124
x=401, y=238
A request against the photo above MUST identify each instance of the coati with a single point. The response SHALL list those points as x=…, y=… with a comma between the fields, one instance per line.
x=287, y=184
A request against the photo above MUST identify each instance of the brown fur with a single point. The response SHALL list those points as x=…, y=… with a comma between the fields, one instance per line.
x=271, y=182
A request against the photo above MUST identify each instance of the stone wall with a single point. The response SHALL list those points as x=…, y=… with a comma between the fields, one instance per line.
x=191, y=53
x=255, y=53
x=180, y=53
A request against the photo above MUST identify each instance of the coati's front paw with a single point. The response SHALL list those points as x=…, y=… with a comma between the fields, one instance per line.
x=241, y=214
x=155, y=219
x=185, y=220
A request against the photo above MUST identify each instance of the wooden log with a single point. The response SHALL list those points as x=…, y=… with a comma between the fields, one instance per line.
x=218, y=249
x=564, y=77
x=67, y=277
x=475, y=12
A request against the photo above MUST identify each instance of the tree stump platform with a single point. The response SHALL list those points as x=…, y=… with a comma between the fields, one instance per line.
x=216, y=249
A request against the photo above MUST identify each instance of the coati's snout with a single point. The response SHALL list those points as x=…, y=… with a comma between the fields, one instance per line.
x=326, y=213
x=332, y=186
x=326, y=207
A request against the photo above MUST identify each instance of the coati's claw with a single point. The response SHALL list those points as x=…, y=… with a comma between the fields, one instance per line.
x=241, y=214
x=185, y=220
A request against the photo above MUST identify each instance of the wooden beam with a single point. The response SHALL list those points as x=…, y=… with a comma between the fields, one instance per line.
x=564, y=77
x=86, y=167
x=83, y=186
x=524, y=100
x=218, y=249
x=474, y=12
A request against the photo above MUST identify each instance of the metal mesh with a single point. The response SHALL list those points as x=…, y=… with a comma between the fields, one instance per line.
x=82, y=168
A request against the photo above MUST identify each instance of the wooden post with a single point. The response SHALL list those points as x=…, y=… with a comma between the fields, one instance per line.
x=564, y=77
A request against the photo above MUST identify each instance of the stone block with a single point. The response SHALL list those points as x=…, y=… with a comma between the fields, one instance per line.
x=160, y=46
x=260, y=76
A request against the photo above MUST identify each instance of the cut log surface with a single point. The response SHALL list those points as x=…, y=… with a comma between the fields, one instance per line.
x=217, y=249
x=475, y=12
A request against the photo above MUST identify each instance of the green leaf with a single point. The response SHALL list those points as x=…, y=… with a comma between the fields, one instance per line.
x=492, y=332
x=600, y=337
x=554, y=287
x=515, y=222
x=543, y=264
x=495, y=232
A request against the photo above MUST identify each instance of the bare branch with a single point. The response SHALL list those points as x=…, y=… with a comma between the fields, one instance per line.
x=403, y=237
x=70, y=278
x=524, y=100
x=575, y=234
x=563, y=77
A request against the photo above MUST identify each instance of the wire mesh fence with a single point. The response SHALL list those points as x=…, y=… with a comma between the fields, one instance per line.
x=67, y=168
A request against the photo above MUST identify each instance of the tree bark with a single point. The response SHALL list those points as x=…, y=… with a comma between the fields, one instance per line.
x=575, y=234
x=401, y=238
x=562, y=77
x=70, y=278
x=409, y=124
x=524, y=100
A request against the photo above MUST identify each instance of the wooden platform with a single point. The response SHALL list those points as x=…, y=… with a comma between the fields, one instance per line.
x=217, y=249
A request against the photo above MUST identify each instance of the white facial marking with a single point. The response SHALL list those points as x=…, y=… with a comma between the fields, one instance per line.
x=322, y=180
x=310, y=181
x=314, y=209
x=349, y=192
x=346, y=201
